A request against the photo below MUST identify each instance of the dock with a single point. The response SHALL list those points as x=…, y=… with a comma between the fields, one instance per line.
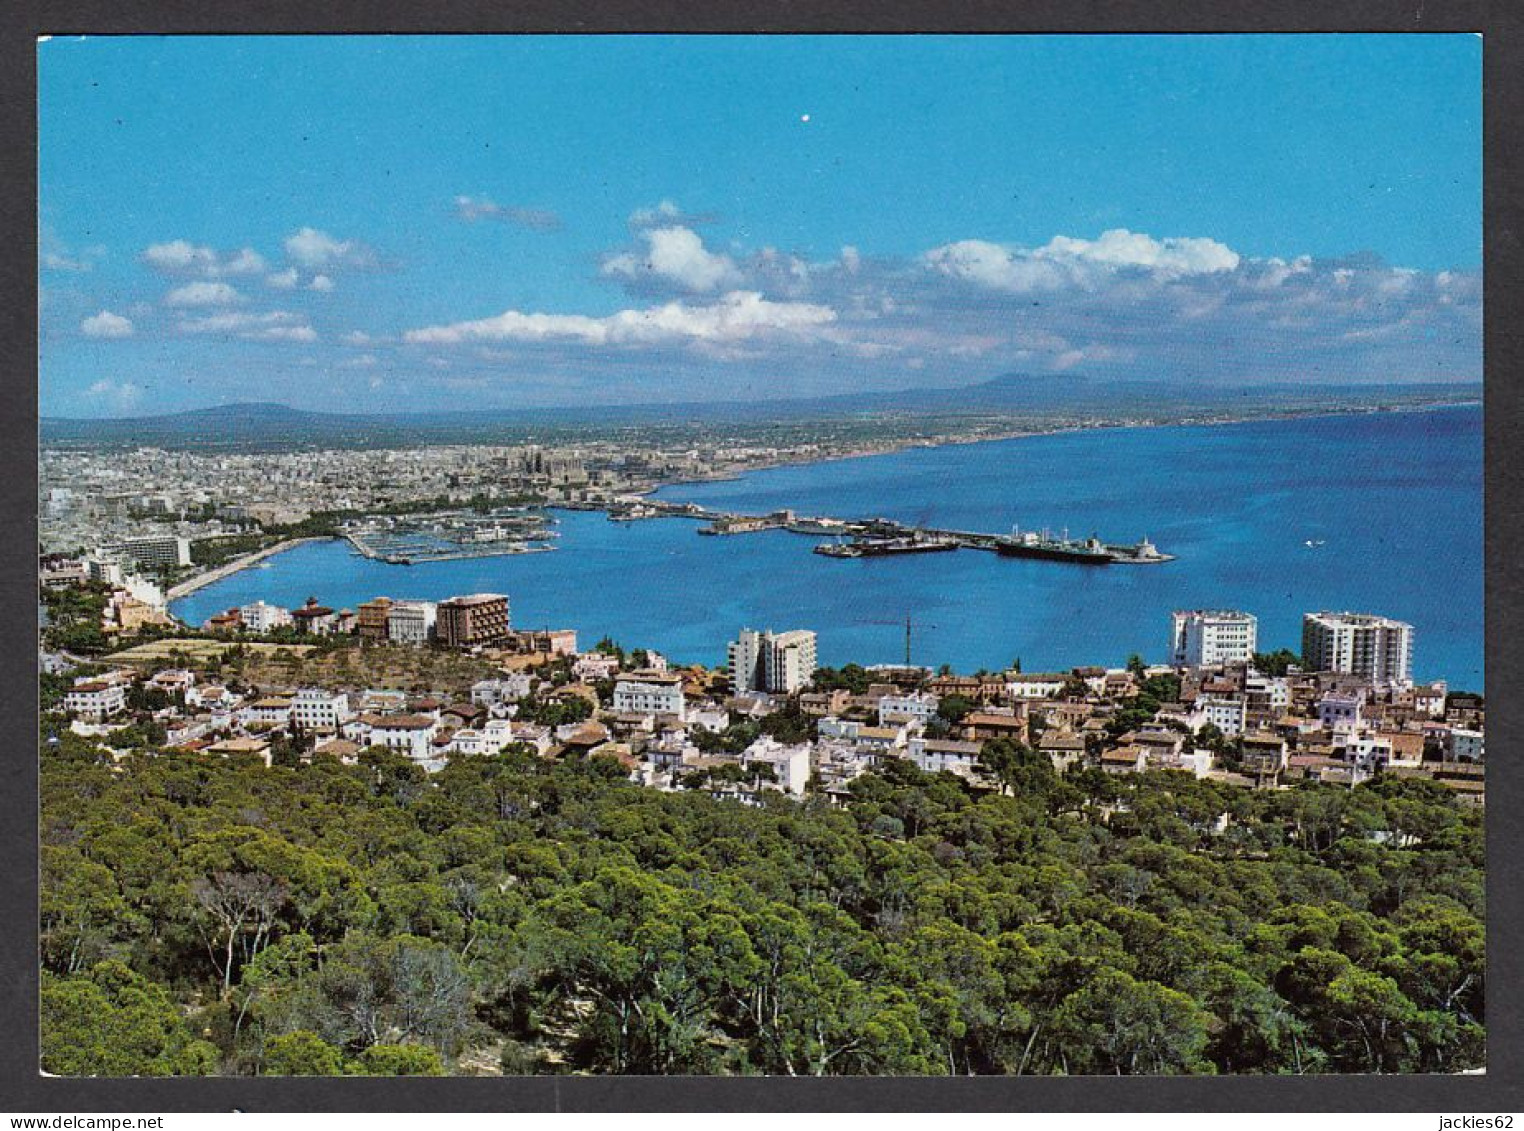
x=883, y=537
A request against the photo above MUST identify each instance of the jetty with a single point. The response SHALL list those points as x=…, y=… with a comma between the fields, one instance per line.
x=884, y=537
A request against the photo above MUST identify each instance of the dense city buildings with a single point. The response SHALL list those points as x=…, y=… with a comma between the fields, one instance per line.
x=1205, y=637
x=1378, y=648
x=772, y=662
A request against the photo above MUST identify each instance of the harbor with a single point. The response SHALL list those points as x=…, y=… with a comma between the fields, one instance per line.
x=452, y=536
x=884, y=537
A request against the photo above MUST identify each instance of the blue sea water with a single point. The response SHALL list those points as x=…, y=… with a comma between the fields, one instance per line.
x=1394, y=501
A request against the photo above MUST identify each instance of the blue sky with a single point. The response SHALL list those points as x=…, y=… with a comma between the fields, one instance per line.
x=382, y=223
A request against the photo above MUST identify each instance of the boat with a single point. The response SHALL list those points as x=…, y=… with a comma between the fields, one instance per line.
x=884, y=547
x=1030, y=544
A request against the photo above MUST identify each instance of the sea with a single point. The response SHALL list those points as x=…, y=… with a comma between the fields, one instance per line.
x=1377, y=512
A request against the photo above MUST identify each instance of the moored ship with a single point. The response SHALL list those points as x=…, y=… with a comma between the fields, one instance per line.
x=1030, y=544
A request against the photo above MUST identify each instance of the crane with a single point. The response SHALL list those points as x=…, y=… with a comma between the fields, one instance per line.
x=909, y=625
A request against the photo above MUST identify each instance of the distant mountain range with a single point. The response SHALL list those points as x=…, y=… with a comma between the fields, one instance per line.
x=269, y=426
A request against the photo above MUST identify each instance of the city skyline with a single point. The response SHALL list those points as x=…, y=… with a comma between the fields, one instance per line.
x=374, y=224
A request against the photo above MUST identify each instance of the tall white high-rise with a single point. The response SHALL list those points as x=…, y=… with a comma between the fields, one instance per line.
x=780, y=663
x=1378, y=648
x=1206, y=637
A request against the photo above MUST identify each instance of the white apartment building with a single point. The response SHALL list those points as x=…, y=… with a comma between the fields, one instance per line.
x=1208, y=637
x=263, y=617
x=649, y=693
x=791, y=764
x=96, y=699
x=412, y=735
x=1268, y=692
x=919, y=706
x=781, y=663
x=489, y=738
x=938, y=755
x=590, y=667
x=1378, y=648
x=1035, y=685
x=1339, y=712
x=411, y=622
x=1462, y=745
x=313, y=708
x=150, y=552
x=503, y=690
x=1226, y=714
x=272, y=711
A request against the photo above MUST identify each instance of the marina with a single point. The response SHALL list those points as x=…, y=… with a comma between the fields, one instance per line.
x=450, y=536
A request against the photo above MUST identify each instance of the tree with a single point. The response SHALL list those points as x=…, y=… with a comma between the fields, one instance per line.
x=303, y=1053
x=1118, y=1025
x=115, y=1022
x=398, y=1060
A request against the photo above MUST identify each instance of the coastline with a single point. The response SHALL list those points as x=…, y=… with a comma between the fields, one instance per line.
x=237, y=565
x=893, y=448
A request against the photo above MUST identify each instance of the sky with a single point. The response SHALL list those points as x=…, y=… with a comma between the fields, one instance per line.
x=392, y=223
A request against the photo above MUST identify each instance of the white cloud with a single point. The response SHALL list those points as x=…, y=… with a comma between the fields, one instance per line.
x=247, y=261
x=851, y=259
x=283, y=280
x=361, y=361
x=320, y=283
x=737, y=316
x=121, y=395
x=473, y=208
x=676, y=255
x=203, y=294
x=664, y=213
x=181, y=257
x=272, y=326
x=57, y=261
x=1066, y=261
x=314, y=249
x=356, y=338
x=106, y=325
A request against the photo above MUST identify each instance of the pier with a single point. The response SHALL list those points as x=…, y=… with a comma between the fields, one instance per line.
x=881, y=537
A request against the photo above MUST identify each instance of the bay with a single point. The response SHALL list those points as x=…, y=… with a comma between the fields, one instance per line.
x=1390, y=502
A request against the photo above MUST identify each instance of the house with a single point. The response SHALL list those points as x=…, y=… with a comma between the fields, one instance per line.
x=1125, y=760
x=412, y=735
x=983, y=725
x=316, y=709
x=274, y=710
x=919, y=706
x=1264, y=754
x=343, y=749
x=313, y=619
x=1037, y=685
x=463, y=715
x=95, y=699
x=505, y=689
x=649, y=692
x=790, y=764
x=935, y=755
x=1229, y=715
x=244, y=745
x=1063, y=747
x=822, y=703
x=590, y=667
